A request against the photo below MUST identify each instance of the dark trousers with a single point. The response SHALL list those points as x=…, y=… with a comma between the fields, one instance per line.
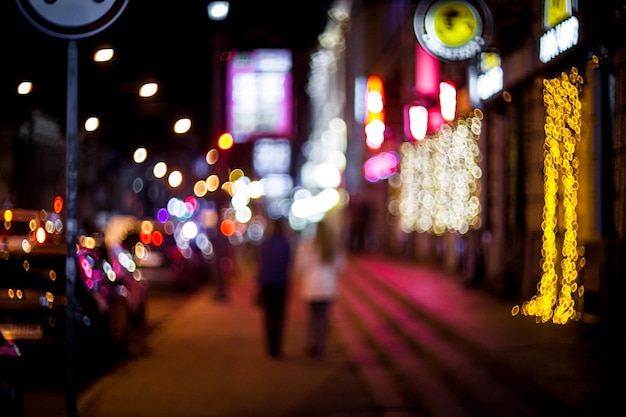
x=318, y=326
x=274, y=300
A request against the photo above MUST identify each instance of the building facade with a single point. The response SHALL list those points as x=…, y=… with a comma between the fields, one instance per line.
x=552, y=149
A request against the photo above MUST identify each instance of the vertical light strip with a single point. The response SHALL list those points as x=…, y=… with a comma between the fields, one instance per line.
x=554, y=300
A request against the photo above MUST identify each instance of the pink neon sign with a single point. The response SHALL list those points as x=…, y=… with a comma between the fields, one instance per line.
x=259, y=94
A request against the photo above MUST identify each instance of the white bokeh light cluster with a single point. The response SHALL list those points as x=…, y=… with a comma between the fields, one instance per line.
x=321, y=175
x=441, y=180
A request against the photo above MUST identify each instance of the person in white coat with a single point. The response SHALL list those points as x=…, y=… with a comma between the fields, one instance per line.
x=319, y=262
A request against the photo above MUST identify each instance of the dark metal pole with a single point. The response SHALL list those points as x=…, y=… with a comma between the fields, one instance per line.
x=71, y=222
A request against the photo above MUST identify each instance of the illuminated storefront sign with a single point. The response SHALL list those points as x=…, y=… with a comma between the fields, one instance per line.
x=422, y=116
x=447, y=100
x=374, y=113
x=562, y=29
x=485, y=77
x=381, y=166
x=558, y=39
x=259, y=94
x=452, y=30
x=271, y=160
x=491, y=77
x=271, y=156
x=415, y=121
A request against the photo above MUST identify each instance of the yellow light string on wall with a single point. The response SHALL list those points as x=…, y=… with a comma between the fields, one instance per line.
x=554, y=300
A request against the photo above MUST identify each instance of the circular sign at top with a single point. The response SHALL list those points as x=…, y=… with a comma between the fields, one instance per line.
x=452, y=30
x=453, y=23
x=71, y=19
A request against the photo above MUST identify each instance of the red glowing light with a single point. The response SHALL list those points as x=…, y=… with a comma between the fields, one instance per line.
x=227, y=227
x=145, y=238
x=157, y=238
x=58, y=204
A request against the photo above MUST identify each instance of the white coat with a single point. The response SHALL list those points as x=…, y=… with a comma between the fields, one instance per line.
x=318, y=279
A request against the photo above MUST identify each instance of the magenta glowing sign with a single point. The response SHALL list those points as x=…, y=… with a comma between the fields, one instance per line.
x=381, y=166
x=259, y=94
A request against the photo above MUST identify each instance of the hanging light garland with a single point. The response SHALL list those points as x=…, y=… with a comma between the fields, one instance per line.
x=555, y=295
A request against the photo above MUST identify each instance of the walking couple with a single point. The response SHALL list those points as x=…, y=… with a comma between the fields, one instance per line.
x=316, y=262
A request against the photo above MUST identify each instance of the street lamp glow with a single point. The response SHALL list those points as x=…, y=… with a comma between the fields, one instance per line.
x=140, y=155
x=255, y=189
x=159, y=170
x=243, y=214
x=103, y=55
x=235, y=174
x=225, y=141
x=148, y=89
x=212, y=156
x=189, y=230
x=91, y=124
x=175, y=179
x=25, y=87
x=200, y=188
x=212, y=183
x=218, y=10
x=182, y=125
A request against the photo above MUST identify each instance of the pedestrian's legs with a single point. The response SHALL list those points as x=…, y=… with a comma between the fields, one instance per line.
x=317, y=327
x=311, y=335
x=324, y=325
x=274, y=302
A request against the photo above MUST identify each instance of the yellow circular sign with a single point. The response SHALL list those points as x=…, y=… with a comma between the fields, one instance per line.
x=453, y=23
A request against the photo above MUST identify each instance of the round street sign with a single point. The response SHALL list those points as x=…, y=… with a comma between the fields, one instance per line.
x=71, y=19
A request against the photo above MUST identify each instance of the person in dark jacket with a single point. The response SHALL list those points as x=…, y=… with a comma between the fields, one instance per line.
x=273, y=281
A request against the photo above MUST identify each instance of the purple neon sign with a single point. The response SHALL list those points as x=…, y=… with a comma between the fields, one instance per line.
x=259, y=94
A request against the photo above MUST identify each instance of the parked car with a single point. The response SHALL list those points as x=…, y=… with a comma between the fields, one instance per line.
x=24, y=228
x=92, y=270
x=119, y=268
x=33, y=301
x=11, y=381
x=159, y=254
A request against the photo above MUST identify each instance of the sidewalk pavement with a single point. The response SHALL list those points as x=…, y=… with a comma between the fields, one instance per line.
x=581, y=364
x=209, y=358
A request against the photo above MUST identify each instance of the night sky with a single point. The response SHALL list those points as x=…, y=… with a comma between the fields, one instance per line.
x=164, y=41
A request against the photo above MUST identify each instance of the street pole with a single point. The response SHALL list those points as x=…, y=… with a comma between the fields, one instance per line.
x=71, y=21
x=71, y=222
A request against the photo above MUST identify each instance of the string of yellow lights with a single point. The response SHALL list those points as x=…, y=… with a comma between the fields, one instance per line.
x=554, y=299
